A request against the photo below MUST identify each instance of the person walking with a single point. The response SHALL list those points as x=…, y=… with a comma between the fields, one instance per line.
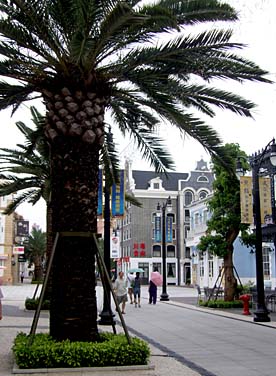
x=137, y=290
x=155, y=280
x=120, y=288
x=152, y=292
x=22, y=277
x=130, y=282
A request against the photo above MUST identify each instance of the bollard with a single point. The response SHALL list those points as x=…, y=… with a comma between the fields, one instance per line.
x=245, y=299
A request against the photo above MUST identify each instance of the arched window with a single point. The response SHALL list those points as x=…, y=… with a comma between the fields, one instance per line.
x=170, y=251
x=188, y=197
x=202, y=194
x=202, y=179
x=156, y=250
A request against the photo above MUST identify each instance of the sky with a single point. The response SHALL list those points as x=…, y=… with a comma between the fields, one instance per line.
x=256, y=29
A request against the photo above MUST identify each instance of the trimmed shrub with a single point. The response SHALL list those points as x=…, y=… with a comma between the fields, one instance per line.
x=222, y=304
x=110, y=350
x=31, y=304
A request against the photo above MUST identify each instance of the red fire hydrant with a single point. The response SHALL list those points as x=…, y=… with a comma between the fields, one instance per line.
x=245, y=299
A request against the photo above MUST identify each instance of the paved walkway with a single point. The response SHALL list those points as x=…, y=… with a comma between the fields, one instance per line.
x=185, y=339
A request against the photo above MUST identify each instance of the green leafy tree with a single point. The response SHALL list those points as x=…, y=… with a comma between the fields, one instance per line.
x=35, y=251
x=84, y=57
x=225, y=224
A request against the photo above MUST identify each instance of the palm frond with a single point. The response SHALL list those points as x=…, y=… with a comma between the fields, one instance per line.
x=29, y=196
x=109, y=158
x=133, y=200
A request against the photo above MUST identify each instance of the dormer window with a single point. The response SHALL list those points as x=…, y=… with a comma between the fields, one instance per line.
x=156, y=184
x=202, y=179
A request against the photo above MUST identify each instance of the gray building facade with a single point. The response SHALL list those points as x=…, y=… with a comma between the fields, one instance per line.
x=140, y=247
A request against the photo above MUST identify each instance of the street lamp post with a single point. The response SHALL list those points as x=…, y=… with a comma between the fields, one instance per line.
x=166, y=205
x=107, y=316
x=264, y=160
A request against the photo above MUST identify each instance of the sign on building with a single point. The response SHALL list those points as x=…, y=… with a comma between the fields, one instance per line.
x=22, y=228
x=118, y=197
x=100, y=194
x=247, y=199
x=169, y=229
x=265, y=198
x=18, y=250
x=22, y=258
x=157, y=229
x=115, y=247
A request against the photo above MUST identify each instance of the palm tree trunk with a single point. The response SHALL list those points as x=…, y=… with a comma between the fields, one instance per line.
x=50, y=236
x=38, y=271
x=74, y=170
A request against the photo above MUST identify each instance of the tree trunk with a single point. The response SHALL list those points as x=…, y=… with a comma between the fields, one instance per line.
x=75, y=131
x=38, y=270
x=50, y=236
x=74, y=175
x=230, y=279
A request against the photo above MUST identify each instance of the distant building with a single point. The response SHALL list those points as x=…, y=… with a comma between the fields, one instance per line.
x=139, y=245
x=207, y=269
x=8, y=273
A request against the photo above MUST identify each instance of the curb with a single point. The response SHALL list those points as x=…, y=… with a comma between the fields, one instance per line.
x=81, y=370
x=228, y=315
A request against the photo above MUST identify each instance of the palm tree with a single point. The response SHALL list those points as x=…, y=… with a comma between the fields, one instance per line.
x=85, y=57
x=26, y=169
x=35, y=251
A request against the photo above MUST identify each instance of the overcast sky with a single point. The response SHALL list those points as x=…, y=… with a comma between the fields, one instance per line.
x=256, y=29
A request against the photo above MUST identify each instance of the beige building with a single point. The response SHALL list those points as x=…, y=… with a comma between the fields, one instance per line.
x=9, y=265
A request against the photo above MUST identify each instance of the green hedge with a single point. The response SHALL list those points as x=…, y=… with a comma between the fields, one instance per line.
x=31, y=304
x=222, y=304
x=110, y=350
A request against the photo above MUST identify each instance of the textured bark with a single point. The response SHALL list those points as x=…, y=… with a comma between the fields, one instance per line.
x=230, y=279
x=38, y=271
x=75, y=146
x=49, y=247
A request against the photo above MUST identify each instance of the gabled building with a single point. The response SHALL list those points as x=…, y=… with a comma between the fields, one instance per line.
x=139, y=245
x=206, y=269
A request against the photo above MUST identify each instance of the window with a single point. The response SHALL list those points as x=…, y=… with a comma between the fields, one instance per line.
x=145, y=267
x=205, y=216
x=156, y=184
x=171, y=270
x=174, y=233
x=171, y=215
x=188, y=197
x=187, y=215
x=197, y=217
x=156, y=265
x=203, y=179
x=266, y=262
x=202, y=194
x=156, y=251
x=201, y=265
x=170, y=251
x=211, y=266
